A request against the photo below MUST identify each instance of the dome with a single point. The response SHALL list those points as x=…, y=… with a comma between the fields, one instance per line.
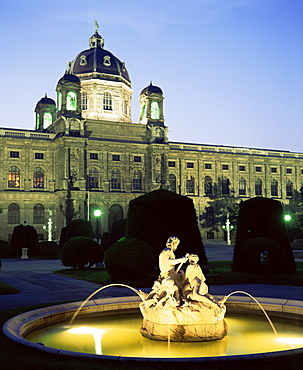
x=151, y=89
x=46, y=100
x=68, y=77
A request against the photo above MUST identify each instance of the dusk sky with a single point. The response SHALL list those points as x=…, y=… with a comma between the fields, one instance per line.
x=231, y=70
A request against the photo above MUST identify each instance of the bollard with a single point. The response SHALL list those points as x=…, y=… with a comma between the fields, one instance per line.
x=24, y=255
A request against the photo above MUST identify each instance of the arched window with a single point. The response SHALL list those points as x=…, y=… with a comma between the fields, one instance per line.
x=115, y=180
x=190, y=185
x=242, y=186
x=115, y=214
x=71, y=100
x=274, y=188
x=208, y=185
x=38, y=216
x=107, y=101
x=225, y=185
x=172, y=183
x=13, y=177
x=209, y=217
x=137, y=180
x=93, y=176
x=154, y=109
x=258, y=187
x=38, y=180
x=13, y=214
x=289, y=189
x=47, y=119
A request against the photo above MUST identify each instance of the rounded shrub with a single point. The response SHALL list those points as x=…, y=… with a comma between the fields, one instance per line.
x=5, y=249
x=48, y=249
x=250, y=256
x=81, y=252
x=129, y=259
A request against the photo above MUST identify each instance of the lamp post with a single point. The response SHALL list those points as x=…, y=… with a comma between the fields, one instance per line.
x=228, y=227
x=287, y=219
x=97, y=214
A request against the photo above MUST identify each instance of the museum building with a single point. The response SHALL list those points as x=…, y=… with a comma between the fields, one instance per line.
x=85, y=153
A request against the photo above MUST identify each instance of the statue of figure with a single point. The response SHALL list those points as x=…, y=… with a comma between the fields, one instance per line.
x=168, y=260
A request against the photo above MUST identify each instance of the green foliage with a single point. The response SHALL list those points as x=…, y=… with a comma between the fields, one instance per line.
x=24, y=237
x=48, y=249
x=129, y=259
x=118, y=231
x=262, y=218
x=5, y=249
x=76, y=228
x=299, y=235
x=7, y=289
x=156, y=216
x=81, y=252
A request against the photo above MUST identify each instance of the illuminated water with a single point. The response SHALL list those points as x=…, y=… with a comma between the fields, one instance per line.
x=120, y=336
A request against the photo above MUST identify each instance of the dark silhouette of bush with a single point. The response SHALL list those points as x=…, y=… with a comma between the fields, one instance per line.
x=129, y=259
x=81, y=252
x=5, y=249
x=47, y=249
x=24, y=237
x=105, y=241
x=298, y=235
x=250, y=256
x=156, y=216
x=118, y=231
x=76, y=228
x=262, y=217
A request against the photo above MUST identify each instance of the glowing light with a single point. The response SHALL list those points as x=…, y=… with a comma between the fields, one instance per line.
x=96, y=333
x=287, y=217
x=296, y=341
x=97, y=212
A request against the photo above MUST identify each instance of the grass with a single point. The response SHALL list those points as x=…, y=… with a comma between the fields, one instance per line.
x=7, y=289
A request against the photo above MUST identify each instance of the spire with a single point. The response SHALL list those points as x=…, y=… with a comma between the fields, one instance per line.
x=96, y=41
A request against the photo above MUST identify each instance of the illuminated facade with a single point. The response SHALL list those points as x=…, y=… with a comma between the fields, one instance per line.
x=85, y=153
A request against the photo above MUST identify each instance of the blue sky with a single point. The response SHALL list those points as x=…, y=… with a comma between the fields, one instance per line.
x=231, y=70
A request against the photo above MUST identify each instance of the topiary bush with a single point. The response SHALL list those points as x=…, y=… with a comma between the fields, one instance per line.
x=48, y=249
x=24, y=236
x=129, y=259
x=250, y=257
x=81, y=252
x=5, y=249
x=75, y=228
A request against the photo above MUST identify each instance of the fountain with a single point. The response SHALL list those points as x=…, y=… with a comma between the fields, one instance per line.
x=185, y=321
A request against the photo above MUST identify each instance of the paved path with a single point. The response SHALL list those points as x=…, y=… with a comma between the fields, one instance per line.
x=38, y=285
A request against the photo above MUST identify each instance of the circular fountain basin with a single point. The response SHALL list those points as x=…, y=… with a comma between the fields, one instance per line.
x=19, y=327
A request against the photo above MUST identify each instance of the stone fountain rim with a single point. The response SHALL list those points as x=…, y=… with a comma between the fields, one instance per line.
x=17, y=327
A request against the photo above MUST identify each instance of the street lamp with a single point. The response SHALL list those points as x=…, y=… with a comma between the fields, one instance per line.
x=228, y=227
x=97, y=214
x=287, y=218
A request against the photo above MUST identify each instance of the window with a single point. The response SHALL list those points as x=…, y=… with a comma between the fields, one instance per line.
x=289, y=189
x=93, y=178
x=301, y=172
x=190, y=185
x=224, y=185
x=39, y=155
x=274, y=188
x=47, y=119
x=38, y=180
x=116, y=157
x=172, y=183
x=14, y=154
x=241, y=168
x=258, y=187
x=208, y=186
x=225, y=167
x=84, y=101
x=93, y=156
x=208, y=166
x=242, y=186
x=190, y=165
x=107, y=101
x=137, y=180
x=13, y=177
x=273, y=169
x=38, y=215
x=258, y=169
x=137, y=158
x=171, y=164
x=154, y=109
x=71, y=100
x=288, y=170
x=13, y=214
x=115, y=180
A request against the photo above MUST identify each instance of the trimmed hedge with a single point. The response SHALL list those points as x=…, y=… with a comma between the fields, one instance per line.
x=129, y=259
x=48, y=249
x=81, y=252
x=5, y=249
x=76, y=228
x=24, y=237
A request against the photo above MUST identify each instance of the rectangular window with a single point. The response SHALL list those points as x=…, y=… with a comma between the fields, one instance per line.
x=241, y=168
x=116, y=157
x=39, y=155
x=208, y=166
x=93, y=156
x=258, y=169
x=288, y=170
x=225, y=167
x=137, y=158
x=190, y=165
x=274, y=169
x=14, y=154
x=171, y=164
